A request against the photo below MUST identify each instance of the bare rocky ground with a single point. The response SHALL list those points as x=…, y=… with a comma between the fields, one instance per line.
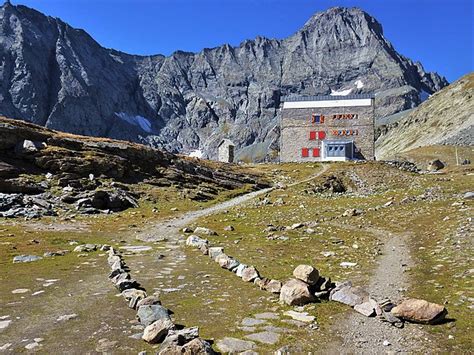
x=393, y=248
x=359, y=334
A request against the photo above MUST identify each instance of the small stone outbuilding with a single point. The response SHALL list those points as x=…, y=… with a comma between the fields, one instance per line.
x=226, y=151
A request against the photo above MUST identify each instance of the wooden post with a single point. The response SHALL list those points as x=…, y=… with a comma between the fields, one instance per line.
x=457, y=159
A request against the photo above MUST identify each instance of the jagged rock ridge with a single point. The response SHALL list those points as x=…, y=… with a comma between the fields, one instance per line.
x=59, y=77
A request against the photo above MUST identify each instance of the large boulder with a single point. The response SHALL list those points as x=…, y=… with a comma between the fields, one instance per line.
x=306, y=273
x=419, y=311
x=157, y=331
x=296, y=293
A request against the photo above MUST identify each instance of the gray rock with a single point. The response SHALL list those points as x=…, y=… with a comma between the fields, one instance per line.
x=66, y=317
x=435, y=165
x=300, y=316
x=148, y=301
x=50, y=254
x=264, y=337
x=306, y=273
x=239, y=269
x=194, y=346
x=234, y=345
x=296, y=292
x=273, y=286
x=267, y=315
x=151, y=313
x=27, y=146
x=368, y=308
x=182, y=336
x=468, y=195
x=158, y=330
x=250, y=322
x=214, y=252
x=196, y=242
x=26, y=258
x=226, y=262
x=123, y=285
x=206, y=231
x=349, y=295
x=85, y=248
x=249, y=274
x=4, y=324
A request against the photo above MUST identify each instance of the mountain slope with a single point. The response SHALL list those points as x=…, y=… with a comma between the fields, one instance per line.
x=59, y=77
x=447, y=117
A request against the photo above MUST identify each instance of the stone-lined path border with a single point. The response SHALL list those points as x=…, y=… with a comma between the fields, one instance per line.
x=159, y=328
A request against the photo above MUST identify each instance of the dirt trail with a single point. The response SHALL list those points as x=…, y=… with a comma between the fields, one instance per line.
x=359, y=334
x=170, y=228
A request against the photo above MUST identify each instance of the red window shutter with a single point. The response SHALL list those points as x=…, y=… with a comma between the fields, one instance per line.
x=321, y=135
x=315, y=152
x=312, y=135
x=321, y=119
x=305, y=152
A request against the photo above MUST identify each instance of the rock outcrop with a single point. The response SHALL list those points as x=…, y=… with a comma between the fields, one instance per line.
x=447, y=117
x=59, y=77
x=93, y=175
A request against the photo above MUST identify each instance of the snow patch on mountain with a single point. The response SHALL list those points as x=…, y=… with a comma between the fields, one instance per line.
x=140, y=121
x=341, y=92
x=359, y=84
x=196, y=154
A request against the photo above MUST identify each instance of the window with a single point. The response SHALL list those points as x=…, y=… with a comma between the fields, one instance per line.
x=321, y=135
x=312, y=135
x=315, y=152
x=317, y=118
x=305, y=152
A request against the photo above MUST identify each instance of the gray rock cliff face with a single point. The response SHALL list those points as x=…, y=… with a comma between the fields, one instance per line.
x=57, y=76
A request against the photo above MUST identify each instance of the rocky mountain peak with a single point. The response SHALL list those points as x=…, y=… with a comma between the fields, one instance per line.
x=59, y=77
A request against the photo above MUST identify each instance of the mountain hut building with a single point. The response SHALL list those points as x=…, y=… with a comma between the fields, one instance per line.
x=327, y=128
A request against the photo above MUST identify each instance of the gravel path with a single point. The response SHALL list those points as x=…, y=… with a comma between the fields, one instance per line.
x=170, y=228
x=361, y=335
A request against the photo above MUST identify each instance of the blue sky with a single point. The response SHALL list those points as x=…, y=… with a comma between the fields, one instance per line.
x=439, y=33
